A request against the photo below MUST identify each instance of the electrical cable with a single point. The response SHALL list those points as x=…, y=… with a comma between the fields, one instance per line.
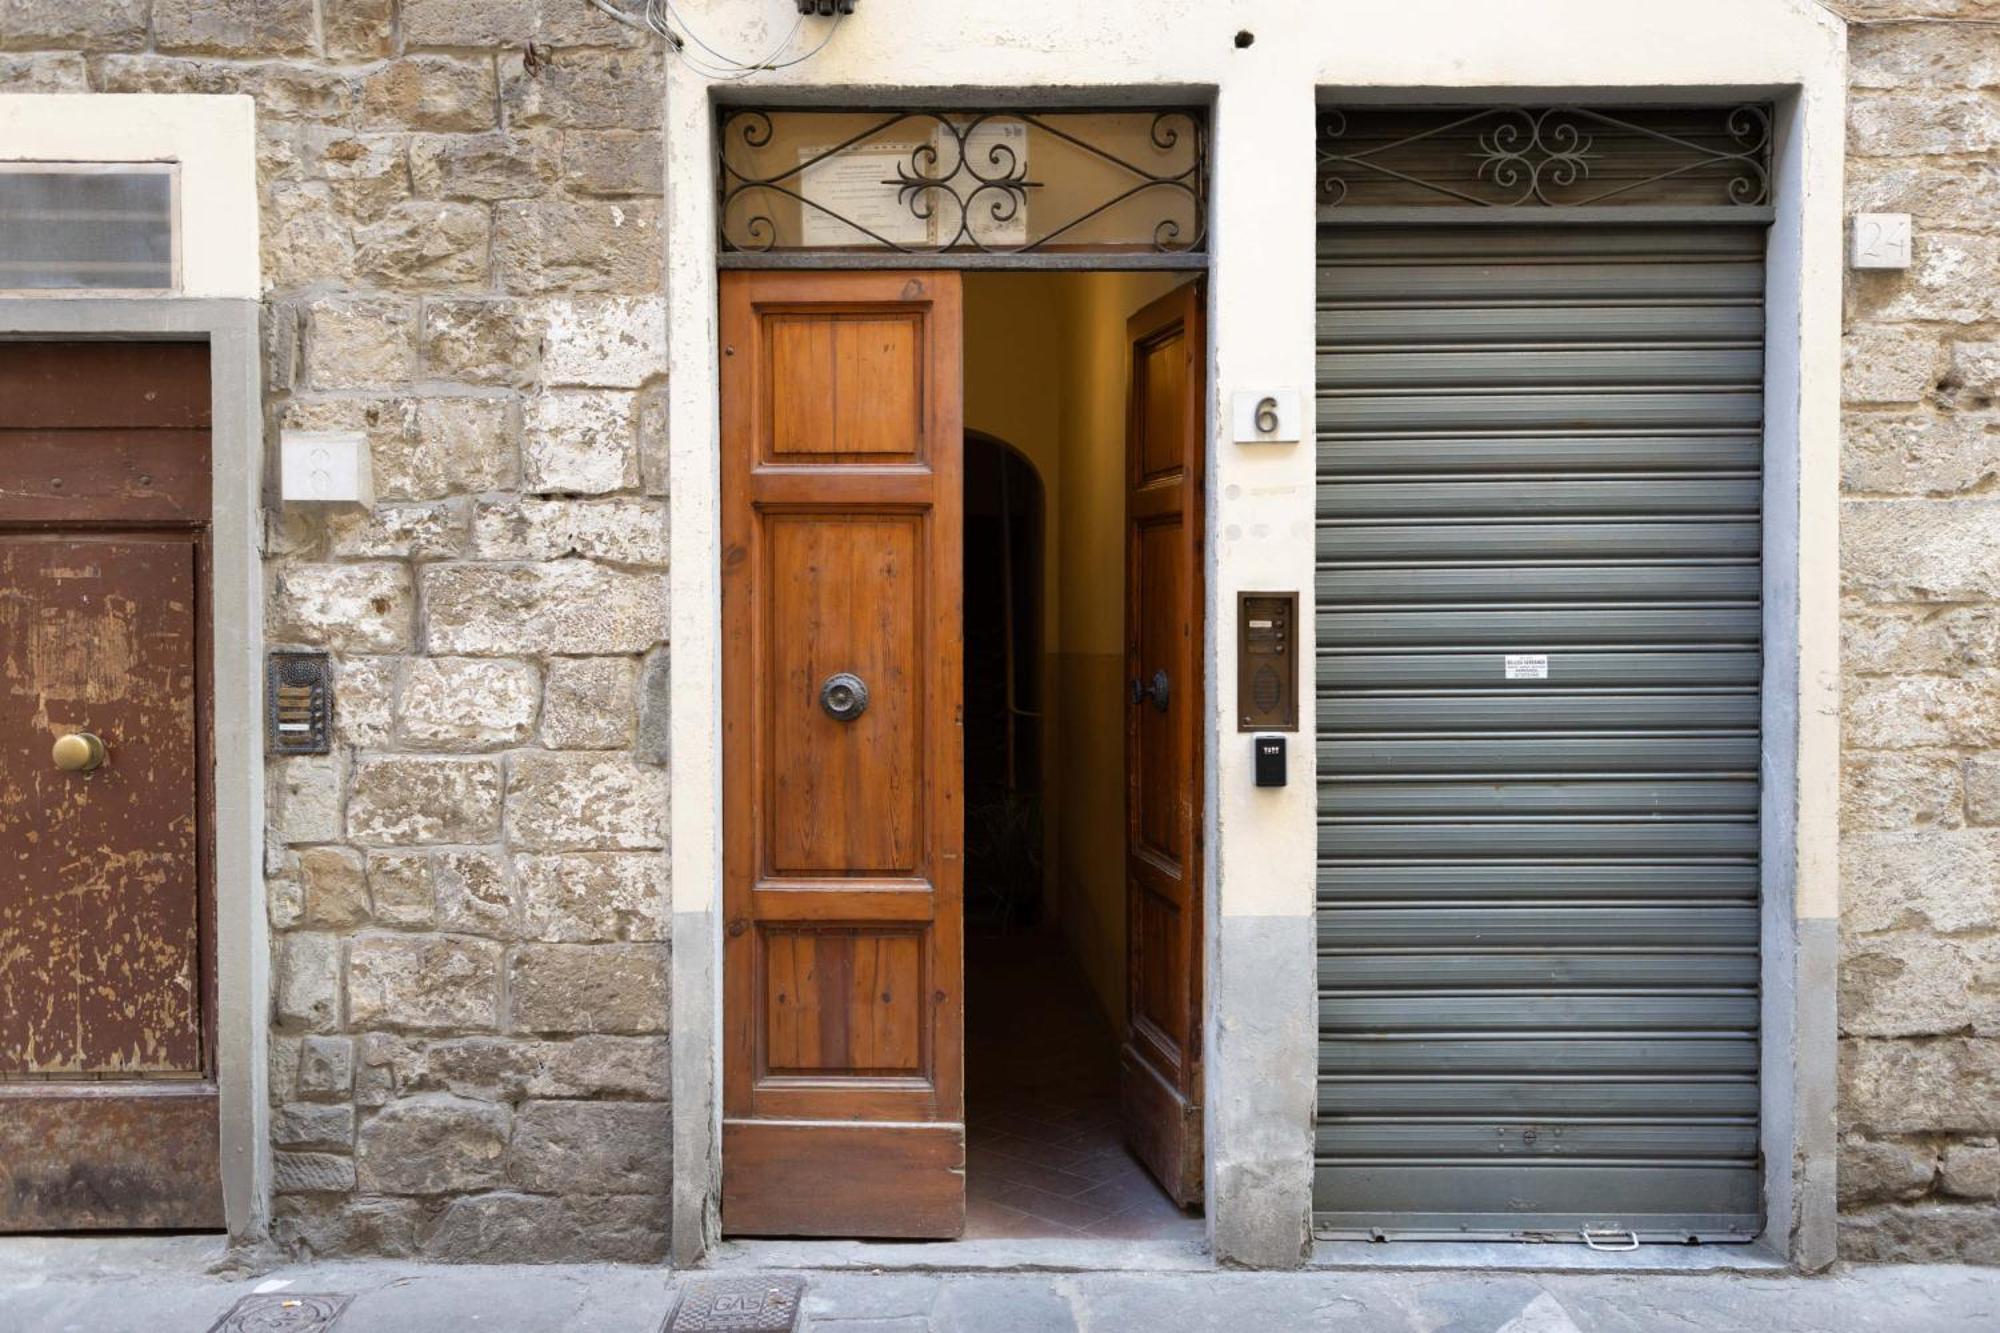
x=661, y=17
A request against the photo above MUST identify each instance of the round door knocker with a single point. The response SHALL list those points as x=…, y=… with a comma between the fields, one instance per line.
x=843, y=696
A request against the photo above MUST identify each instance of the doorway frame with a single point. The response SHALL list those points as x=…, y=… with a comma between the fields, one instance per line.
x=211, y=138
x=1260, y=845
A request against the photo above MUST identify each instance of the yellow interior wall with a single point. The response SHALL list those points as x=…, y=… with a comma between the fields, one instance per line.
x=1045, y=370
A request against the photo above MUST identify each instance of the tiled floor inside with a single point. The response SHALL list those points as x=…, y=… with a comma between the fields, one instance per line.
x=1044, y=1156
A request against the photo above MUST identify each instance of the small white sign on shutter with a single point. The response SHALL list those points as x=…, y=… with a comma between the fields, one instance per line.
x=1527, y=666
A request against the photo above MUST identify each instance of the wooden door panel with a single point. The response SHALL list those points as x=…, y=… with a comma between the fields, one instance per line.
x=846, y=590
x=100, y=904
x=1160, y=1081
x=846, y=387
x=843, y=1075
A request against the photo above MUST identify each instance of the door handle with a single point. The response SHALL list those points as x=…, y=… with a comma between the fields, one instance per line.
x=1158, y=691
x=78, y=752
x=844, y=696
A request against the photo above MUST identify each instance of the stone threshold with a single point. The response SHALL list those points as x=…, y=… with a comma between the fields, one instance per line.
x=1540, y=1257
x=1052, y=1255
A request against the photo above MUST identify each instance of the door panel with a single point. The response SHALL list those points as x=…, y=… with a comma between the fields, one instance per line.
x=843, y=954
x=1161, y=1082
x=108, y=1113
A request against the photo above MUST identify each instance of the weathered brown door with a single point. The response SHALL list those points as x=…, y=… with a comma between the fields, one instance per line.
x=842, y=756
x=107, y=1101
x=1160, y=1086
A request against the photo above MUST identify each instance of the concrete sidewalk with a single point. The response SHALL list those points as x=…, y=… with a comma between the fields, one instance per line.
x=53, y=1286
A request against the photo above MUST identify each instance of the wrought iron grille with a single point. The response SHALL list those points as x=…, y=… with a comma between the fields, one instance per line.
x=1554, y=157
x=919, y=181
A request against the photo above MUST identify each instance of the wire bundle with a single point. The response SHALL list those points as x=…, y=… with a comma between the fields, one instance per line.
x=665, y=19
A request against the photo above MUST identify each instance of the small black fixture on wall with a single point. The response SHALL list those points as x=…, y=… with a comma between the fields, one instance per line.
x=826, y=8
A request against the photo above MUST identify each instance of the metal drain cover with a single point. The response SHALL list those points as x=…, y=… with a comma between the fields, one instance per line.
x=282, y=1312
x=738, y=1305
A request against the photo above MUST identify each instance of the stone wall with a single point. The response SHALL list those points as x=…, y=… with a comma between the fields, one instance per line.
x=1920, y=971
x=469, y=898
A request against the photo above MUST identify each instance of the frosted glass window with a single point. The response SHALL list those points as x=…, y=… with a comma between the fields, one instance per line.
x=101, y=228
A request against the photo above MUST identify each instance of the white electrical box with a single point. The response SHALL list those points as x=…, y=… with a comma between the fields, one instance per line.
x=325, y=467
x=1880, y=240
x=1266, y=416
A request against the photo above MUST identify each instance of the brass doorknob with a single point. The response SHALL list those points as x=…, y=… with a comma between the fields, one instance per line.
x=78, y=753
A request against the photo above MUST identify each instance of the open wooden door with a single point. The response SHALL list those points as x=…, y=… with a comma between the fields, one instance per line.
x=843, y=758
x=1165, y=443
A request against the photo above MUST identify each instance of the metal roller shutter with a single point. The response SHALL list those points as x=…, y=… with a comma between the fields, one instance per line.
x=1538, y=898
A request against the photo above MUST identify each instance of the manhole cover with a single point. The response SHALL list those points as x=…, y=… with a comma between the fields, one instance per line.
x=738, y=1305
x=282, y=1312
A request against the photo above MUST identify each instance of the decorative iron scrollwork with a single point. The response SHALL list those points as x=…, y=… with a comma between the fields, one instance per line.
x=1557, y=157
x=959, y=181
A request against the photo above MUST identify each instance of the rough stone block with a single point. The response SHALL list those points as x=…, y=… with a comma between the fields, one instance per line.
x=1950, y=1085
x=473, y=893
x=591, y=1148
x=1919, y=453
x=1921, y=550
x=284, y=900
x=1889, y=366
x=617, y=162
x=1935, y=879
x=1900, y=790
x=519, y=164
x=1947, y=639
x=590, y=897
x=468, y=703
x=356, y=608
x=613, y=342
x=308, y=984
x=433, y=1145
x=1921, y=1233
x=235, y=27
x=401, y=801
x=1982, y=792
x=513, y=1068
x=504, y=1227
x=423, y=982
x=425, y=245
x=326, y=1067
x=468, y=22
x=564, y=606
x=561, y=988
x=584, y=802
x=1972, y=1171
x=311, y=1173
x=364, y=696
x=1921, y=56
x=1936, y=193
x=366, y=343
x=1915, y=123
x=585, y=89
x=456, y=445
x=304, y=238
x=357, y=29
x=399, y=886
x=430, y=93
x=102, y=25
x=564, y=24
x=1919, y=712
x=366, y=174
x=310, y=1226
x=1917, y=984
x=42, y=71
x=284, y=90
x=1953, y=278
x=621, y=530
x=334, y=887
x=1875, y=1172
x=588, y=703
x=655, y=466
x=281, y=1064
x=304, y=798
x=580, y=442
x=558, y=246
x=1975, y=369
x=432, y=531
x=313, y=1125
